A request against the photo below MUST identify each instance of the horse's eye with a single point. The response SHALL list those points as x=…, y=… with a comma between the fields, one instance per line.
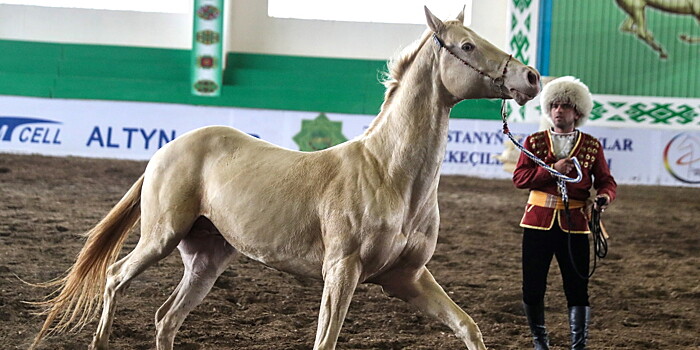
x=467, y=47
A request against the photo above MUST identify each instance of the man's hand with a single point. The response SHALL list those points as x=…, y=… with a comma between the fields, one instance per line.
x=564, y=165
x=604, y=200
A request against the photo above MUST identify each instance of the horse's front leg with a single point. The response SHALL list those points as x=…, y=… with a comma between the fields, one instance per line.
x=644, y=34
x=420, y=289
x=341, y=276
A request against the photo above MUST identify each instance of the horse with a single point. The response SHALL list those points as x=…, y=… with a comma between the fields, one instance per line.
x=636, y=22
x=364, y=211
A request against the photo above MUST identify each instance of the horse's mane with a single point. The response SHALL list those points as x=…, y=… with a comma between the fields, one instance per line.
x=398, y=65
x=396, y=68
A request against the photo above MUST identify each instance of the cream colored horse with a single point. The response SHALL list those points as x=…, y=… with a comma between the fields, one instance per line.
x=364, y=211
x=636, y=22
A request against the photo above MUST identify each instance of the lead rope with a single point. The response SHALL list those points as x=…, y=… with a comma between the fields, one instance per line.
x=600, y=244
x=561, y=178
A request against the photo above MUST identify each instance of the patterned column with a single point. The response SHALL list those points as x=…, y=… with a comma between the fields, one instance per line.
x=523, y=30
x=207, y=39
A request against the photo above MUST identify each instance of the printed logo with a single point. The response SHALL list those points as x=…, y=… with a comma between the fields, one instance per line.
x=206, y=62
x=208, y=37
x=319, y=134
x=682, y=158
x=208, y=12
x=25, y=130
x=205, y=86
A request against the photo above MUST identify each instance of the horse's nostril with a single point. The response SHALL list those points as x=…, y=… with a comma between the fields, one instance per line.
x=532, y=78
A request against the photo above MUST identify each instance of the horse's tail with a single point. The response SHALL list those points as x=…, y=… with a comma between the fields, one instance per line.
x=78, y=294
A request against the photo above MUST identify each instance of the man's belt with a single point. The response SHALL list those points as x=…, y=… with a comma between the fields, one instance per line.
x=546, y=200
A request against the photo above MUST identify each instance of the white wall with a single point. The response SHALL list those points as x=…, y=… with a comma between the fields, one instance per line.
x=68, y=25
x=249, y=28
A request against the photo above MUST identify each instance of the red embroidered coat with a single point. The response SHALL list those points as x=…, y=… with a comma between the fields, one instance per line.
x=589, y=152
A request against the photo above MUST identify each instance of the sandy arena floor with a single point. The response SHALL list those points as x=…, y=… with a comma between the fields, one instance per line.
x=645, y=294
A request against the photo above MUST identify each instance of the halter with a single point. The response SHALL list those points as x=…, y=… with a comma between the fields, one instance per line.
x=498, y=82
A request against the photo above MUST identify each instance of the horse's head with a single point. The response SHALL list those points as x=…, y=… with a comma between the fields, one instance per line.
x=471, y=67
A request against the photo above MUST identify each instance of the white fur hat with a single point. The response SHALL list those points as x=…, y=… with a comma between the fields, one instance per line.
x=568, y=90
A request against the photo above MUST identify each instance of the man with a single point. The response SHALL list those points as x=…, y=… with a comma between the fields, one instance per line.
x=548, y=230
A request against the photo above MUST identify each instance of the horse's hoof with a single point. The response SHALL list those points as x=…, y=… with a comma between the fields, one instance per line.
x=95, y=347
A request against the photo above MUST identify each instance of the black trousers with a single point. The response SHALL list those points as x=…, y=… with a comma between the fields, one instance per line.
x=538, y=248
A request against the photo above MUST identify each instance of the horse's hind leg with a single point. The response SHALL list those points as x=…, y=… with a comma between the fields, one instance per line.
x=420, y=289
x=205, y=255
x=153, y=246
x=628, y=25
x=636, y=24
x=643, y=33
x=692, y=39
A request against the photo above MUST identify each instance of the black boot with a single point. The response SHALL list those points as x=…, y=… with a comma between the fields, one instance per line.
x=579, y=316
x=535, y=319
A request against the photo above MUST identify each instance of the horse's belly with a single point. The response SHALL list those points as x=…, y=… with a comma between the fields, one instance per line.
x=292, y=265
x=268, y=222
x=289, y=263
x=294, y=251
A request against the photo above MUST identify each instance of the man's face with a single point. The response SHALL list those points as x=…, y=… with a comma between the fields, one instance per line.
x=564, y=116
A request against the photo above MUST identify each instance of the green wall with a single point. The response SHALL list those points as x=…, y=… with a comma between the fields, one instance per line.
x=586, y=42
x=74, y=71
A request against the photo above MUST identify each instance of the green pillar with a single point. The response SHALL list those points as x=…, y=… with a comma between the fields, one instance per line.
x=207, y=46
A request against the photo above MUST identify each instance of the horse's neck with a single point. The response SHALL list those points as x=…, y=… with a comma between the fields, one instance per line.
x=410, y=135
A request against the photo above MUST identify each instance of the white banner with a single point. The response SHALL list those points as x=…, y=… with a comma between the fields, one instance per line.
x=134, y=130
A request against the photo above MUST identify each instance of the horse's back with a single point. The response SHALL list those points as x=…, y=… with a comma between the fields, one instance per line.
x=262, y=198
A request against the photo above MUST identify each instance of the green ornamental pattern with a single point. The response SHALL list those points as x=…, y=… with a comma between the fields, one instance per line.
x=662, y=113
x=522, y=4
x=319, y=133
x=520, y=44
x=646, y=113
x=520, y=30
x=625, y=111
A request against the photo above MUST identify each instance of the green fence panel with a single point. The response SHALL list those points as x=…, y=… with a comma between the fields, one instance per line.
x=332, y=85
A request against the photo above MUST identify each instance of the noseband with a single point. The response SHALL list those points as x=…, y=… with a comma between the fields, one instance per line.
x=498, y=82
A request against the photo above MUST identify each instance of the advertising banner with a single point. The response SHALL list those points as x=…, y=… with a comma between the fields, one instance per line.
x=134, y=130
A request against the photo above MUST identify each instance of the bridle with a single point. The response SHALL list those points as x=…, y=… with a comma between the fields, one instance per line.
x=499, y=82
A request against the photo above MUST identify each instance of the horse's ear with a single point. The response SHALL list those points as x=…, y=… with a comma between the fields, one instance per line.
x=460, y=16
x=433, y=22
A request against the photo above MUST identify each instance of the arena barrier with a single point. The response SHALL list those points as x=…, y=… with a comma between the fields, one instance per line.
x=135, y=130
